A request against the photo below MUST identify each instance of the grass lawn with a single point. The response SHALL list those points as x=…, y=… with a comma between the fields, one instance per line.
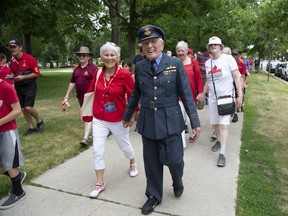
x=263, y=174
x=63, y=130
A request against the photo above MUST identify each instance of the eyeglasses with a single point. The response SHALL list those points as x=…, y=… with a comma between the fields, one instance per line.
x=12, y=46
x=82, y=55
x=234, y=54
x=213, y=45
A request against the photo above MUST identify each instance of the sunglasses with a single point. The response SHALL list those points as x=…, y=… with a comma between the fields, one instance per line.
x=12, y=46
x=83, y=55
x=234, y=54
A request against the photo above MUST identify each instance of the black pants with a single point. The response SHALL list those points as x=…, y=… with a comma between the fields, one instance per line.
x=156, y=154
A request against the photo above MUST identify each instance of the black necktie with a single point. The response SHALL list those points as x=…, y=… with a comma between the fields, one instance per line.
x=152, y=67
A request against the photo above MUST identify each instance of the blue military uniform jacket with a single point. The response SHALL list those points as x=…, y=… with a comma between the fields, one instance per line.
x=160, y=114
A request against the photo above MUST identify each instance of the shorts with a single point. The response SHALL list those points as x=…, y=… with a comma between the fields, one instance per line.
x=26, y=93
x=215, y=118
x=10, y=150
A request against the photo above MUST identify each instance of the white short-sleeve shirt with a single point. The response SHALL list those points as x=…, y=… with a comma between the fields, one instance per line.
x=222, y=74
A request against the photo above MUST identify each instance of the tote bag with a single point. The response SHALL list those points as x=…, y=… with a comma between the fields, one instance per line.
x=87, y=107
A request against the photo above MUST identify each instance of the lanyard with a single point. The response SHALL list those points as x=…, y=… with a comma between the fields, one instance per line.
x=107, y=83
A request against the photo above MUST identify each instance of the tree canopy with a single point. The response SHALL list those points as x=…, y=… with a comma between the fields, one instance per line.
x=253, y=26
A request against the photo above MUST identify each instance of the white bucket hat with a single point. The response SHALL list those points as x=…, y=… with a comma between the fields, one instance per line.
x=215, y=40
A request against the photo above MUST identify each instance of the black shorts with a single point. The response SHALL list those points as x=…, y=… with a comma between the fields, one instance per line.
x=26, y=93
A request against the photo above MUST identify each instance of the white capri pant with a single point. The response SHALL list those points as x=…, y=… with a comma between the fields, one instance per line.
x=215, y=118
x=100, y=133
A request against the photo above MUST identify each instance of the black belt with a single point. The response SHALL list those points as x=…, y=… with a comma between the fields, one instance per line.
x=157, y=104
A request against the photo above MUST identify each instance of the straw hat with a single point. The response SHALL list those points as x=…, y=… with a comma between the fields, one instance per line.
x=84, y=50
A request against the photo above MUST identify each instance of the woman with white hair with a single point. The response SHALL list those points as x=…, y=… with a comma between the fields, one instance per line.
x=112, y=85
x=193, y=72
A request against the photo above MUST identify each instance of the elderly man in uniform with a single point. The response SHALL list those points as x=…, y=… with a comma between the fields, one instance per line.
x=159, y=81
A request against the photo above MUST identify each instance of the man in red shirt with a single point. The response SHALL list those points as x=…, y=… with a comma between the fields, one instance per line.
x=11, y=157
x=81, y=78
x=25, y=71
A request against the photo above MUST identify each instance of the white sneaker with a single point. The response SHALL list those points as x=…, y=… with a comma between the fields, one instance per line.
x=97, y=190
x=133, y=171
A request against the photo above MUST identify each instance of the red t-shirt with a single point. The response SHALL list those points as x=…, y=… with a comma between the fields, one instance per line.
x=195, y=78
x=120, y=84
x=25, y=62
x=241, y=67
x=82, y=78
x=4, y=71
x=8, y=96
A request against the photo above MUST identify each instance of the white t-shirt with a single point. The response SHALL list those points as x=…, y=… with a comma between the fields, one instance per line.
x=221, y=69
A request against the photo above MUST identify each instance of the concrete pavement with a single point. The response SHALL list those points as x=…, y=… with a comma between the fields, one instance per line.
x=209, y=190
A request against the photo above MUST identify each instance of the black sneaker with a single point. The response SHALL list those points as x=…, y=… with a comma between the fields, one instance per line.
x=221, y=161
x=216, y=147
x=235, y=118
x=30, y=131
x=22, y=178
x=84, y=142
x=149, y=206
x=40, y=126
x=12, y=200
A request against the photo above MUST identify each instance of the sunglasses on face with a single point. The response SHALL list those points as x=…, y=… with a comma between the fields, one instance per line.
x=213, y=45
x=11, y=46
x=234, y=54
x=82, y=55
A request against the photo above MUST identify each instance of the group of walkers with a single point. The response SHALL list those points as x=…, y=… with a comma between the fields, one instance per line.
x=163, y=90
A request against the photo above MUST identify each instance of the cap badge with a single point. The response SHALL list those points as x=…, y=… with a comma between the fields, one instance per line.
x=147, y=31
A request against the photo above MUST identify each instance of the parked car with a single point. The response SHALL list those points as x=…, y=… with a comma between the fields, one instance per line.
x=272, y=66
x=284, y=74
x=278, y=69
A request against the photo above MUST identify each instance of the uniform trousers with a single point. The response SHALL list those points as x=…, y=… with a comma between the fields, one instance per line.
x=156, y=154
x=100, y=133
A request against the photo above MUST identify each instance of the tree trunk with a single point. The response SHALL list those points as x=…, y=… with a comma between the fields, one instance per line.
x=27, y=43
x=51, y=64
x=115, y=21
x=132, y=31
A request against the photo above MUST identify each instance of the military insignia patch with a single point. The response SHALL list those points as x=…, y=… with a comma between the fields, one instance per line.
x=147, y=31
x=169, y=70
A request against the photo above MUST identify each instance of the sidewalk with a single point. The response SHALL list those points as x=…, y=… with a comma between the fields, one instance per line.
x=209, y=190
